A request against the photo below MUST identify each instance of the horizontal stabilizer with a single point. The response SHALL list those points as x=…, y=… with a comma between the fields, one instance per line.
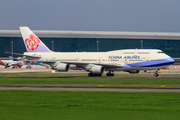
x=30, y=56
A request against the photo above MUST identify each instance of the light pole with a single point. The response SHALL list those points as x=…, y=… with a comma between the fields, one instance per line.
x=97, y=46
x=12, y=48
x=52, y=45
x=141, y=44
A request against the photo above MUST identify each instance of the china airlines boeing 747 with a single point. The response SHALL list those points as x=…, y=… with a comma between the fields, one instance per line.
x=129, y=60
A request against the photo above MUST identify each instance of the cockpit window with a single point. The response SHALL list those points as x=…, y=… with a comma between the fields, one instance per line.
x=160, y=52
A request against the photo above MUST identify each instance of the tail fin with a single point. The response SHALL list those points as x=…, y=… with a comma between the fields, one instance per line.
x=32, y=42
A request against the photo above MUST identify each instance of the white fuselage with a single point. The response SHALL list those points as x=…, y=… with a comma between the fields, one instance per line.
x=129, y=59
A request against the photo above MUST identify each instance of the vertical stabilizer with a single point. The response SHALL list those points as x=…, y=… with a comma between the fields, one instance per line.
x=32, y=42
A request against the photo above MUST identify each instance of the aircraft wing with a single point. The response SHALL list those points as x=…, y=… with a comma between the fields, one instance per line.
x=80, y=64
x=101, y=64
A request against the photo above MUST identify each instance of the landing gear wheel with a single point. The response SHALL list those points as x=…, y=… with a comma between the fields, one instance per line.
x=156, y=74
x=97, y=74
x=110, y=73
x=90, y=74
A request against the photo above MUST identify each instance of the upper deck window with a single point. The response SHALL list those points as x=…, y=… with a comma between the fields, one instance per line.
x=160, y=52
x=143, y=52
x=128, y=52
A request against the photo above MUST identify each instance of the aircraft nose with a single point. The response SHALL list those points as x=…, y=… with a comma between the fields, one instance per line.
x=172, y=60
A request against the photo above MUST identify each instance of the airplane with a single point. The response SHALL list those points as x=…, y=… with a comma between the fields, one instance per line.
x=129, y=60
x=14, y=62
x=41, y=64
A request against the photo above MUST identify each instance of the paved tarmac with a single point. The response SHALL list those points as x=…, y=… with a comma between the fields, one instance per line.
x=114, y=77
x=90, y=89
x=48, y=70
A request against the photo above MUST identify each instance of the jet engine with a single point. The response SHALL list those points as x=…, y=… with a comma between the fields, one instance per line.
x=62, y=67
x=96, y=69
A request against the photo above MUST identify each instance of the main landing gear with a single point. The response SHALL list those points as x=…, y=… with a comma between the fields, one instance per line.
x=91, y=74
x=110, y=73
x=156, y=74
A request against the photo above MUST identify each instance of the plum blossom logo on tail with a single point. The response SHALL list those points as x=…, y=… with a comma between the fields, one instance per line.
x=32, y=42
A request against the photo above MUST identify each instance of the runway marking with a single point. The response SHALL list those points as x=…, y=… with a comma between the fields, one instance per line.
x=153, y=77
x=44, y=77
x=162, y=86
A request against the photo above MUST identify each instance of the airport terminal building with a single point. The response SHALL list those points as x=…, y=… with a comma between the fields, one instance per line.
x=93, y=41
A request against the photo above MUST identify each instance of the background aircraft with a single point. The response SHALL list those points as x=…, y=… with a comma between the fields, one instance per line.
x=40, y=64
x=14, y=63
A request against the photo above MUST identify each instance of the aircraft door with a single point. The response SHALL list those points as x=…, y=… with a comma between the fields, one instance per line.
x=147, y=60
x=78, y=59
x=99, y=60
x=126, y=61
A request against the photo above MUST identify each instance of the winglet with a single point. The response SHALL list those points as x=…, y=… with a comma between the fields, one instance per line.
x=32, y=42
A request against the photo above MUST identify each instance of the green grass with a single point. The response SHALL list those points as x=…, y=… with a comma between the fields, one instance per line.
x=38, y=105
x=87, y=81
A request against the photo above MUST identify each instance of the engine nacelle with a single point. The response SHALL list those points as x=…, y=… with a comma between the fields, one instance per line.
x=96, y=69
x=134, y=71
x=62, y=67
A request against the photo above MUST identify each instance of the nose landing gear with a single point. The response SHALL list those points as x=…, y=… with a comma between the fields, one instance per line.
x=156, y=74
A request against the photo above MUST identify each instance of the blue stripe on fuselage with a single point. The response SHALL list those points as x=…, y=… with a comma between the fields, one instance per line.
x=153, y=63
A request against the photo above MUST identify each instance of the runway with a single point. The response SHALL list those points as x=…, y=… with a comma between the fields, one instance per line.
x=114, y=77
x=90, y=89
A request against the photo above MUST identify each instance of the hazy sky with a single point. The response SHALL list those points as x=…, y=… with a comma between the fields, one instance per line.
x=91, y=15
